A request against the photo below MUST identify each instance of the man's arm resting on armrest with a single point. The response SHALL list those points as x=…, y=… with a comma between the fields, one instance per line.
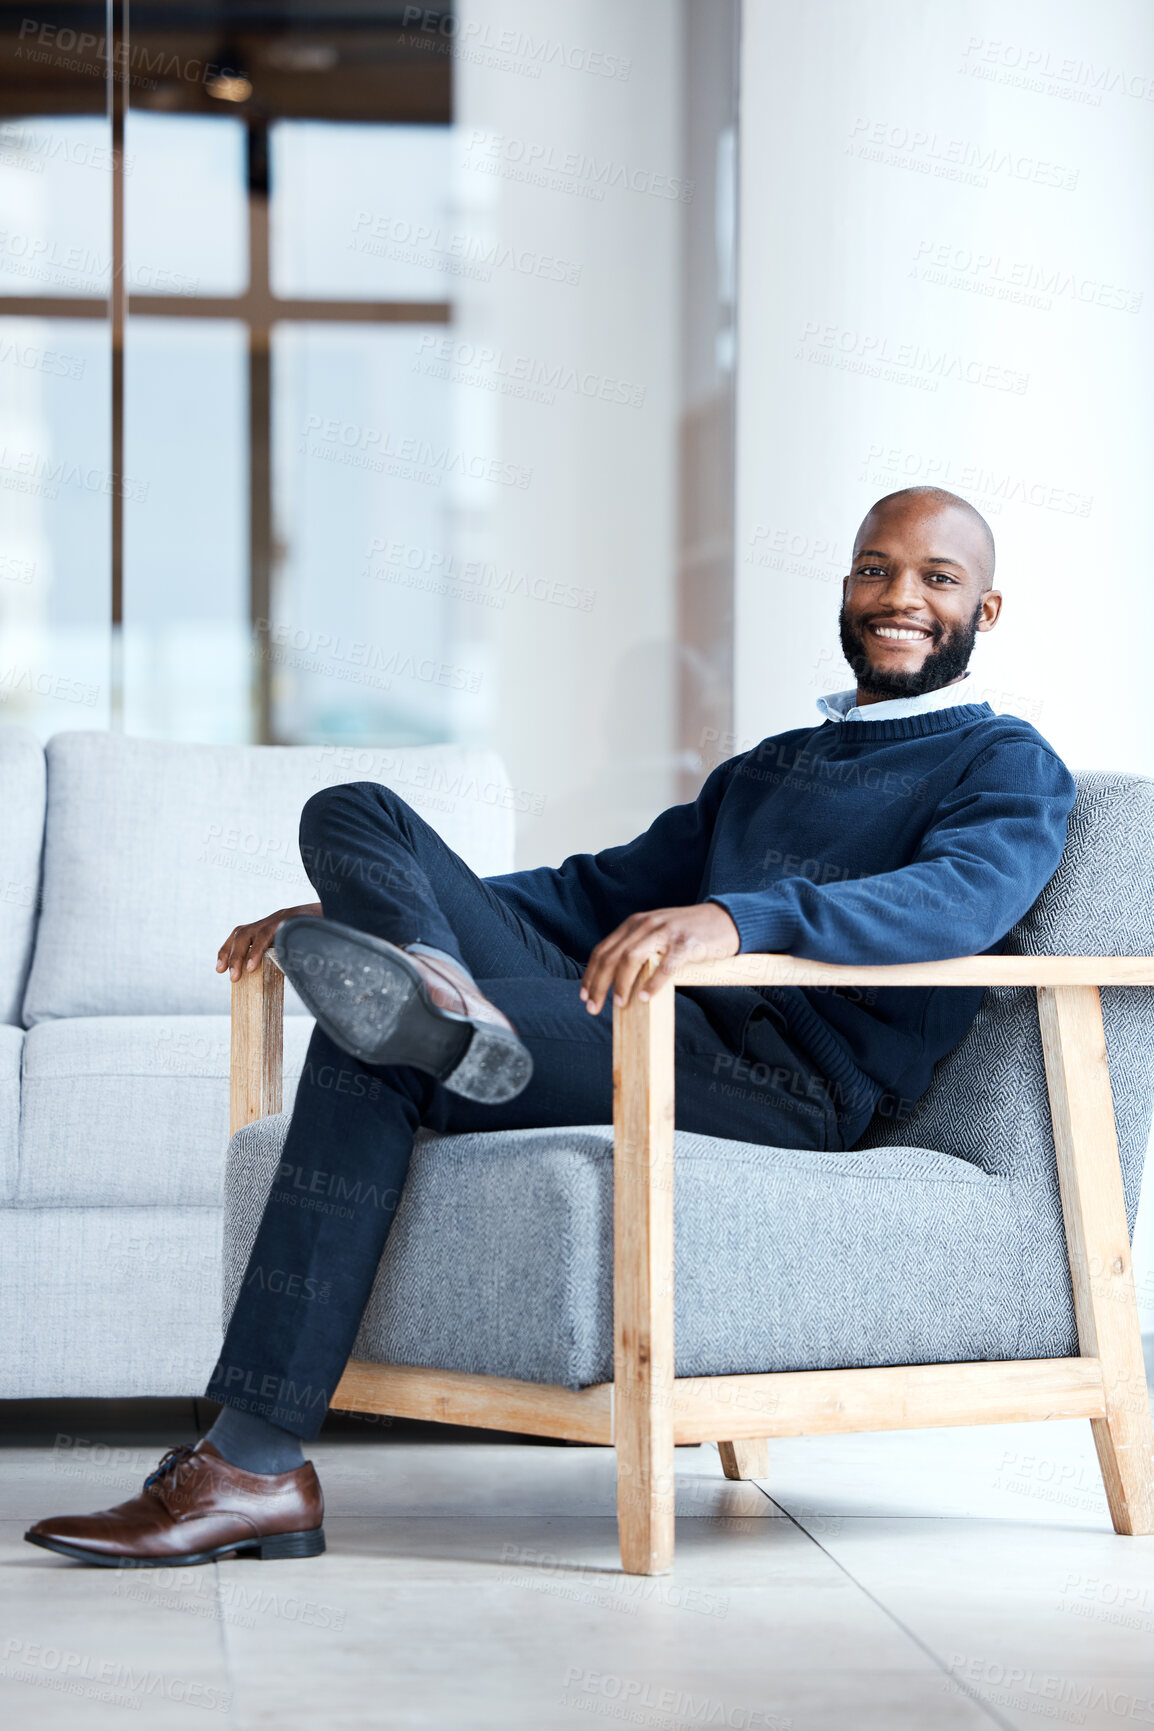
x=702, y=933
x=993, y=845
x=990, y=849
x=245, y=945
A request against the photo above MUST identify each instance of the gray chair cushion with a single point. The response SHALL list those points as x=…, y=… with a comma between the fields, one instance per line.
x=21, y=838
x=155, y=851
x=501, y=1256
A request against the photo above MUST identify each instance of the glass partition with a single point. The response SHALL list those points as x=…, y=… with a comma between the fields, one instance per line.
x=365, y=385
x=55, y=458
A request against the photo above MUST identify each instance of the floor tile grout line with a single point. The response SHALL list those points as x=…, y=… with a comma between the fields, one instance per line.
x=964, y=1688
x=1013, y=1519
x=222, y=1633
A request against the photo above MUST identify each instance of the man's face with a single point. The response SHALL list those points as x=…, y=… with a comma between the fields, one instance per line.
x=914, y=599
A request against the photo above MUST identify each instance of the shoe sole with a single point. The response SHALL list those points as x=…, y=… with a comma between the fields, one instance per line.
x=371, y=999
x=274, y=1547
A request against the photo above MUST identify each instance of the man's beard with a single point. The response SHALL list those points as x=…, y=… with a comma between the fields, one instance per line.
x=947, y=660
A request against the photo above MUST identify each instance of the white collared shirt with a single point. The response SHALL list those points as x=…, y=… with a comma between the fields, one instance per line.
x=840, y=705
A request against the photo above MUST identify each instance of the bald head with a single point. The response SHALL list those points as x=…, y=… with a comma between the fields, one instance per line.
x=919, y=590
x=927, y=502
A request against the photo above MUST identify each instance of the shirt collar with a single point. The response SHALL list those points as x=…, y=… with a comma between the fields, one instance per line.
x=840, y=705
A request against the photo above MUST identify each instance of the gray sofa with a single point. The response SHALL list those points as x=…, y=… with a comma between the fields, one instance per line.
x=123, y=865
x=938, y=1239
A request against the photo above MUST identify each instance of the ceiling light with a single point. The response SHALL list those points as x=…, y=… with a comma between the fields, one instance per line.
x=232, y=88
x=301, y=56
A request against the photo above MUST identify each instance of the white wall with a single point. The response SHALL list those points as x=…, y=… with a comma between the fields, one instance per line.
x=854, y=355
x=940, y=202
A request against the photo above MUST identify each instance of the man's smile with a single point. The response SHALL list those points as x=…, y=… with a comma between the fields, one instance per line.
x=890, y=633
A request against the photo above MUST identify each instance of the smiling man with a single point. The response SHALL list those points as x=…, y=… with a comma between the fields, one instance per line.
x=910, y=824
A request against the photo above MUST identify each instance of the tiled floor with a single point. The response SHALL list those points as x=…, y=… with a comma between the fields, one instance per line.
x=948, y=1579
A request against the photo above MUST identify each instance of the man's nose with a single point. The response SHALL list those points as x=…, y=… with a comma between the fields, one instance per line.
x=904, y=589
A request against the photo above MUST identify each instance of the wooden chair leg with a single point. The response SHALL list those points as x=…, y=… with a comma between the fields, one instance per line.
x=746, y=1459
x=1093, y=1204
x=643, y=1281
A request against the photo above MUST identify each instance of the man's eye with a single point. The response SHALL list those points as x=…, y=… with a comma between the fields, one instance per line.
x=941, y=577
x=872, y=571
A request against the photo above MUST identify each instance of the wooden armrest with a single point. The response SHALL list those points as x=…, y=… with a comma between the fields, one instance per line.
x=256, y=1059
x=751, y=970
x=257, y=1048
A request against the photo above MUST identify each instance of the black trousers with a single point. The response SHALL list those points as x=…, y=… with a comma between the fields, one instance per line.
x=377, y=866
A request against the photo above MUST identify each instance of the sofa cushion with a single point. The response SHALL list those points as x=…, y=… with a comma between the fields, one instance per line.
x=21, y=835
x=500, y=1259
x=107, y=1302
x=155, y=851
x=11, y=1047
x=131, y=1110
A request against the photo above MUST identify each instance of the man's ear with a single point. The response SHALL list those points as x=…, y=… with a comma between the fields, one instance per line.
x=991, y=608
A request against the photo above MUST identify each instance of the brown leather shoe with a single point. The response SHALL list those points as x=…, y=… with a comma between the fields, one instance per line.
x=386, y=1005
x=196, y=1506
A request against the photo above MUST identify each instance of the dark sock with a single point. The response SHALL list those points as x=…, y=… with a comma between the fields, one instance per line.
x=253, y=1444
x=441, y=955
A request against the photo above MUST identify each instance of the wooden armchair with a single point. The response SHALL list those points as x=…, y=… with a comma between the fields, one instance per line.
x=646, y=1410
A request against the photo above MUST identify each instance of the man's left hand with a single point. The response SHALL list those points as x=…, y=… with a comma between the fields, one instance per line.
x=699, y=934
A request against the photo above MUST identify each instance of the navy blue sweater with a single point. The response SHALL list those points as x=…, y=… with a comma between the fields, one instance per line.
x=853, y=841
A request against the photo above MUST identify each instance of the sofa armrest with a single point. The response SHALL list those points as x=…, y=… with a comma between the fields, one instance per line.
x=256, y=1057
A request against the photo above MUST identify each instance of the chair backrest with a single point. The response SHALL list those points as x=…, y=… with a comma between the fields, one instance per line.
x=154, y=851
x=988, y=1101
x=21, y=840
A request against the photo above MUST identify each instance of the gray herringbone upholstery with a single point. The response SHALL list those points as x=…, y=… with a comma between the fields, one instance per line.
x=988, y=1103
x=939, y=1238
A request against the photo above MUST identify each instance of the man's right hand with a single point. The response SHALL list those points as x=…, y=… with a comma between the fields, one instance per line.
x=244, y=946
